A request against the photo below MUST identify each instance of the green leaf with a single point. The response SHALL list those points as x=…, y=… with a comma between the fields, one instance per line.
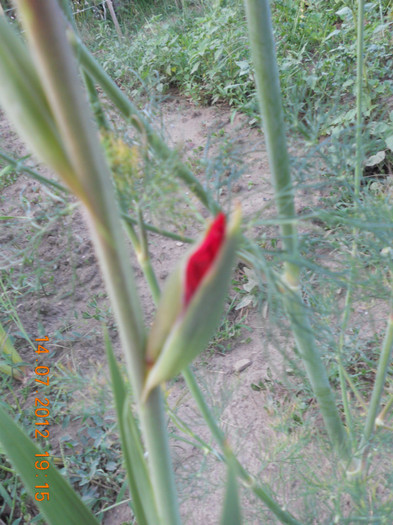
x=231, y=514
x=137, y=471
x=64, y=505
x=6, y=347
x=375, y=159
x=344, y=12
x=195, y=67
x=389, y=142
x=23, y=100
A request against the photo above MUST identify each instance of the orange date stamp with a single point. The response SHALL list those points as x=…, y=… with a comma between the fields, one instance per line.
x=42, y=413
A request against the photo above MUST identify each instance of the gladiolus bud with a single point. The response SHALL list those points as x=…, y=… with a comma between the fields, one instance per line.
x=192, y=302
x=201, y=260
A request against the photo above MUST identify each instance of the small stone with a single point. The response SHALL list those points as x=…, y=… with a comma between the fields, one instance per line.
x=241, y=365
x=179, y=243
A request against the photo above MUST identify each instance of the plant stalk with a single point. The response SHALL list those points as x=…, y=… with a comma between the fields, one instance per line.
x=268, y=90
x=359, y=97
x=355, y=232
x=383, y=366
x=45, y=31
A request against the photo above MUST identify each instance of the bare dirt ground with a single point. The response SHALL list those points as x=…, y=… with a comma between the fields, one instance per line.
x=66, y=247
x=69, y=291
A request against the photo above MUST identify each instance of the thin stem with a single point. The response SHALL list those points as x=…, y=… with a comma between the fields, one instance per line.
x=355, y=232
x=359, y=96
x=156, y=439
x=355, y=391
x=126, y=218
x=385, y=409
x=341, y=368
x=196, y=393
x=135, y=117
x=268, y=90
x=383, y=366
x=95, y=101
x=145, y=260
x=141, y=250
x=219, y=436
x=159, y=231
x=40, y=178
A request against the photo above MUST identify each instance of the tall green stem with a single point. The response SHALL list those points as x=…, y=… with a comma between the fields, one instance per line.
x=154, y=423
x=268, y=89
x=357, y=178
x=58, y=72
x=359, y=96
x=269, y=96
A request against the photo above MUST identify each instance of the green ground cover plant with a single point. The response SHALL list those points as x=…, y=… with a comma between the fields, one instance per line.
x=205, y=54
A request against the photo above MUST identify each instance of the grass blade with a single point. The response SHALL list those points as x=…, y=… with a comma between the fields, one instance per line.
x=63, y=505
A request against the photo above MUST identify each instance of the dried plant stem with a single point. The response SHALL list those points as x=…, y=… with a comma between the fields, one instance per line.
x=114, y=18
x=268, y=89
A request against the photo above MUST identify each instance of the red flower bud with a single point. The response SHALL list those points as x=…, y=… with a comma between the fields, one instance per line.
x=202, y=259
x=192, y=303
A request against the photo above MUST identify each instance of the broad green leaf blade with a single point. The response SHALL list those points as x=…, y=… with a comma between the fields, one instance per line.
x=137, y=471
x=231, y=514
x=25, y=104
x=64, y=505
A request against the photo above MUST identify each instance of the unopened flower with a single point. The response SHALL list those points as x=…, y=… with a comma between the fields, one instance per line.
x=203, y=257
x=192, y=302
